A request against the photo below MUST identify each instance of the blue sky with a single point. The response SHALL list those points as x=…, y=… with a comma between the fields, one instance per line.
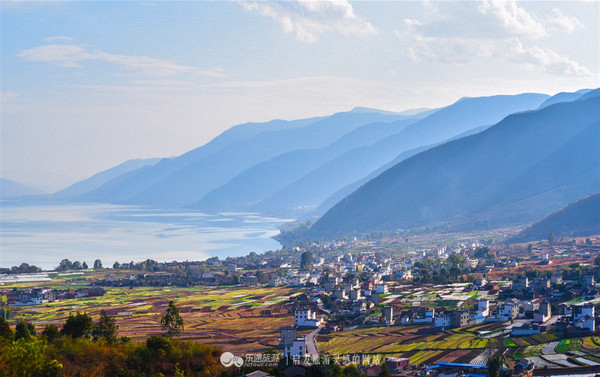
x=87, y=85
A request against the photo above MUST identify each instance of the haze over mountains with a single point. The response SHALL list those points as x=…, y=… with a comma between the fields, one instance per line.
x=479, y=162
x=579, y=219
x=186, y=179
x=292, y=167
x=10, y=188
x=525, y=167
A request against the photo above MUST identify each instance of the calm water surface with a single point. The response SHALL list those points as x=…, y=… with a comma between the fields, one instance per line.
x=45, y=233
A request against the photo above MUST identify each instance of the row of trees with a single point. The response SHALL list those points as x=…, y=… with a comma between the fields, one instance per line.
x=66, y=264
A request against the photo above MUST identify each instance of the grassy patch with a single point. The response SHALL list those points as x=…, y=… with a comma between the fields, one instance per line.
x=508, y=342
x=563, y=346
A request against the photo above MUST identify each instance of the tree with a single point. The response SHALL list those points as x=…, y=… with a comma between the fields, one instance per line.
x=4, y=310
x=116, y=265
x=97, y=264
x=5, y=330
x=494, y=365
x=588, y=241
x=65, y=264
x=84, y=265
x=156, y=343
x=51, y=332
x=171, y=321
x=77, y=265
x=305, y=260
x=551, y=239
x=78, y=326
x=385, y=372
x=24, y=330
x=597, y=261
x=530, y=248
x=106, y=328
x=350, y=370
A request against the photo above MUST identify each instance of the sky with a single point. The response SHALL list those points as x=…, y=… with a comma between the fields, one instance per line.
x=87, y=85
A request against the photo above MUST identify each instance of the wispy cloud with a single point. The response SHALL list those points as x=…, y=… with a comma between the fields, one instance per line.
x=308, y=19
x=458, y=50
x=514, y=39
x=543, y=57
x=514, y=18
x=73, y=56
x=564, y=22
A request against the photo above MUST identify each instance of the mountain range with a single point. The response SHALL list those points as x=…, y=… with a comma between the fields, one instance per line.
x=291, y=167
x=10, y=188
x=578, y=219
x=518, y=171
x=479, y=162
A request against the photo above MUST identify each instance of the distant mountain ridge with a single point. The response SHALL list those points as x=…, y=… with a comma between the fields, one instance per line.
x=10, y=188
x=578, y=219
x=266, y=178
x=289, y=168
x=186, y=179
x=515, y=172
x=479, y=162
x=310, y=191
x=97, y=180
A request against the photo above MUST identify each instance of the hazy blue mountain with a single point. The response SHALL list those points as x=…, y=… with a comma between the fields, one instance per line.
x=308, y=192
x=525, y=167
x=125, y=186
x=186, y=179
x=265, y=178
x=349, y=189
x=97, y=180
x=579, y=219
x=10, y=188
x=419, y=113
x=590, y=94
x=564, y=97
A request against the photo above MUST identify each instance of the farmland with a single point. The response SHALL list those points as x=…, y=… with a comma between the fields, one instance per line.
x=404, y=342
x=238, y=319
x=464, y=345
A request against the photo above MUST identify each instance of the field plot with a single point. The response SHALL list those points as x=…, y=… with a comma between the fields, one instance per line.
x=235, y=318
x=404, y=342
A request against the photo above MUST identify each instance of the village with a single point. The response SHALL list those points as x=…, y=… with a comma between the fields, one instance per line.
x=498, y=295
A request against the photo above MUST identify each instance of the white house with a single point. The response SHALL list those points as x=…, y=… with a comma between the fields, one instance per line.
x=297, y=348
x=443, y=320
x=307, y=318
x=381, y=288
x=580, y=311
x=586, y=322
x=509, y=310
x=427, y=318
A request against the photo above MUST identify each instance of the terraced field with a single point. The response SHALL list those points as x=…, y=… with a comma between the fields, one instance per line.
x=401, y=341
x=239, y=319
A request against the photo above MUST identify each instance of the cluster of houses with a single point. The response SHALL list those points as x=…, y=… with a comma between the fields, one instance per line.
x=43, y=295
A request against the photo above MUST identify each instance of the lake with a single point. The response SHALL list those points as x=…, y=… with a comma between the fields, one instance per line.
x=43, y=234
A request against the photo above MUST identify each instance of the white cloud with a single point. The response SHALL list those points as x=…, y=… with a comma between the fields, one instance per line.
x=516, y=42
x=412, y=22
x=543, y=58
x=564, y=22
x=458, y=50
x=516, y=20
x=72, y=56
x=308, y=18
x=447, y=50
